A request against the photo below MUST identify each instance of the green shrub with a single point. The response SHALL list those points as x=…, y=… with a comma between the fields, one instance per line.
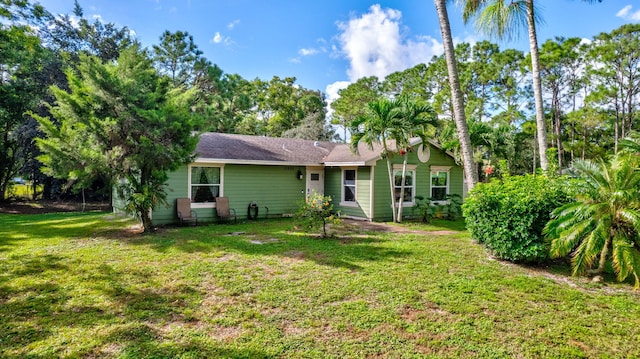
x=316, y=212
x=508, y=215
x=428, y=208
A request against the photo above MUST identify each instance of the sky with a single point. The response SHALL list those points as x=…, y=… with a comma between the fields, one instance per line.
x=328, y=44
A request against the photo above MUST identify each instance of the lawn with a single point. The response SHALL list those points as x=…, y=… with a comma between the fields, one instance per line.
x=83, y=285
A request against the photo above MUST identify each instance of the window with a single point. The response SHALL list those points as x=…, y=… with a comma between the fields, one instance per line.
x=315, y=177
x=348, y=186
x=205, y=185
x=409, y=184
x=439, y=183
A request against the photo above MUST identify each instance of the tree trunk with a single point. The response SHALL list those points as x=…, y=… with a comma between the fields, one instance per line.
x=537, y=87
x=404, y=172
x=146, y=222
x=470, y=170
x=391, y=187
x=535, y=162
x=557, y=125
x=603, y=257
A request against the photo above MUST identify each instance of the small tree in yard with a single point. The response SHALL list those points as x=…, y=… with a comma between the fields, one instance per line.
x=317, y=211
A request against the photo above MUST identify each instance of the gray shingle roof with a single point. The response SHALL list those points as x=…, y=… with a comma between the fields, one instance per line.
x=226, y=147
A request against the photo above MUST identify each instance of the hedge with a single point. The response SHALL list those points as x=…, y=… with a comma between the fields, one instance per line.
x=508, y=215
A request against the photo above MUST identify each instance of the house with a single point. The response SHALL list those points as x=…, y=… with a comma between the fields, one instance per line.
x=276, y=174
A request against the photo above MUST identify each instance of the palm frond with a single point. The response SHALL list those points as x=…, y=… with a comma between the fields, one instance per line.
x=625, y=259
x=501, y=19
x=581, y=259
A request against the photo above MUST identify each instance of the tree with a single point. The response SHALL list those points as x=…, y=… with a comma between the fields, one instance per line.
x=615, y=67
x=70, y=36
x=415, y=119
x=560, y=67
x=484, y=73
x=140, y=126
x=396, y=120
x=503, y=19
x=312, y=126
x=459, y=116
x=21, y=60
x=178, y=57
x=374, y=127
x=353, y=101
x=604, y=223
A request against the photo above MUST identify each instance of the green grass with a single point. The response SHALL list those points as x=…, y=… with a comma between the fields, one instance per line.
x=81, y=285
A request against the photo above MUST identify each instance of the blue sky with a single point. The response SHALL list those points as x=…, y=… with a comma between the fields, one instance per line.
x=327, y=44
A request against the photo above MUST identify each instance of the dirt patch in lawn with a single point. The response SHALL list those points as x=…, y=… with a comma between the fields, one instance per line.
x=391, y=227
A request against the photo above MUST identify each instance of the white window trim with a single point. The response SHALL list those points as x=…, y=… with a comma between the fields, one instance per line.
x=342, y=185
x=436, y=169
x=412, y=169
x=206, y=204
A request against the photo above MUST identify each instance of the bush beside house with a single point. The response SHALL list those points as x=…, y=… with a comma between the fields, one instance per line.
x=508, y=215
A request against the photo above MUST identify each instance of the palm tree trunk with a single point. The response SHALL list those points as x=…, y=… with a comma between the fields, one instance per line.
x=537, y=87
x=391, y=187
x=456, y=95
x=603, y=257
x=404, y=172
x=535, y=162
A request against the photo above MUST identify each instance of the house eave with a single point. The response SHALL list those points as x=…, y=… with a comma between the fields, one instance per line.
x=254, y=162
x=345, y=164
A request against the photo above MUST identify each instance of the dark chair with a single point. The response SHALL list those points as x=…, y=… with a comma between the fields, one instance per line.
x=185, y=214
x=223, y=210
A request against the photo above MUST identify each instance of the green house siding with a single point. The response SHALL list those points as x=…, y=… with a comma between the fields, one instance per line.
x=279, y=189
x=382, y=195
x=332, y=183
x=177, y=187
x=333, y=188
x=275, y=187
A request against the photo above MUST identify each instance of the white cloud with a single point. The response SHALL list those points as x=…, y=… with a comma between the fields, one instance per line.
x=375, y=45
x=332, y=89
x=308, y=52
x=233, y=24
x=627, y=13
x=332, y=94
x=218, y=38
x=295, y=60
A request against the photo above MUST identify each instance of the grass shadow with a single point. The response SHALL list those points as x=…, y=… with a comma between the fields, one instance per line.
x=274, y=238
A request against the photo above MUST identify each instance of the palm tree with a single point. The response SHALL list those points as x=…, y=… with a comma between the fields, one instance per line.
x=631, y=144
x=415, y=118
x=502, y=19
x=471, y=172
x=604, y=223
x=376, y=126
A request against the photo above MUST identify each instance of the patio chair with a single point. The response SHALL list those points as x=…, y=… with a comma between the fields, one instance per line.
x=223, y=210
x=185, y=214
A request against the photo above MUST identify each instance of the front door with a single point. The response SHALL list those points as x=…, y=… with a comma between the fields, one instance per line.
x=315, y=180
